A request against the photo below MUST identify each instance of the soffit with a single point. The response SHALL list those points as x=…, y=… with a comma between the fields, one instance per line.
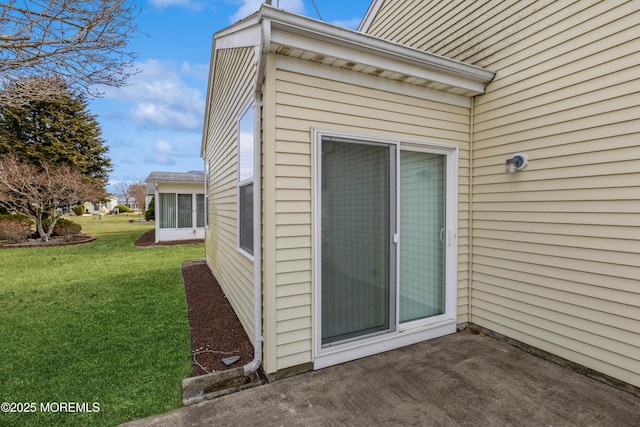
x=318, y=42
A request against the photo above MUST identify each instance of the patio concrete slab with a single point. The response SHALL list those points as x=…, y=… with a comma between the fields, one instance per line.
x=457, y=380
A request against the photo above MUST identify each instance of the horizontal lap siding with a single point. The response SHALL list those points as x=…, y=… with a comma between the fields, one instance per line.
x=556, y=247
x=304, y=103
x=231, y=92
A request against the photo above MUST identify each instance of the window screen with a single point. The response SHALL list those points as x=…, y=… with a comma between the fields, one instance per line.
x=185, y=211
x=167, y=204
x=200, y=210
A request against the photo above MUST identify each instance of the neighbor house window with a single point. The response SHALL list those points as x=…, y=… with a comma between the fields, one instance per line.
x=185, y=211
x=207, y=192
x=245, y=181
x=176, y=210
x=200, y=210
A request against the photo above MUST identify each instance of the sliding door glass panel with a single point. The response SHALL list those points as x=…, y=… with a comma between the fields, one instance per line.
x=355, y=231
x=422, y=235
x=185, y=211
x=167, y=210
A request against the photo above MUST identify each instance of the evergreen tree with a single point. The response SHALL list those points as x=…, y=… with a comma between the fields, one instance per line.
x=150, y=213
x=58, y=131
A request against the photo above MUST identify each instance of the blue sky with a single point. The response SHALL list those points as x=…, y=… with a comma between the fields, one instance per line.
x=155, y=123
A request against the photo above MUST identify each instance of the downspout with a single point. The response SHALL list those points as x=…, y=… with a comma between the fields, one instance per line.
x=265, y=44
x=156, y=202
x=470, y=206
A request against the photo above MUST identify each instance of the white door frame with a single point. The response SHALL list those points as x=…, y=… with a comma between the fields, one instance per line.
x=406, y=333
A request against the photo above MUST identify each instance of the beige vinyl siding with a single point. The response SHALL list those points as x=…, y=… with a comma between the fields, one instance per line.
x=230, y=95
x=305, y=102
x=556, y=247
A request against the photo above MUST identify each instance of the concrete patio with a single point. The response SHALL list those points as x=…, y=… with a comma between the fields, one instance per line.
x=460, y=379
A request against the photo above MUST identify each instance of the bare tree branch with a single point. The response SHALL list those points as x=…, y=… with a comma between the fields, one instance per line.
x=124, y=187
x=139, y=192
x=82, y=42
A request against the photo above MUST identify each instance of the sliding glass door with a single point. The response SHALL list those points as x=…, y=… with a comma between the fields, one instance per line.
x=383, y=238
x=422, y=235
x=357, y=213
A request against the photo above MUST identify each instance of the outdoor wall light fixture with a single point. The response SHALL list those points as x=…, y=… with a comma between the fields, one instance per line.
x=517, y=163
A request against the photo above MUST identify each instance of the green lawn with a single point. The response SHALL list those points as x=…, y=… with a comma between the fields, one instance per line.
x=103, y=322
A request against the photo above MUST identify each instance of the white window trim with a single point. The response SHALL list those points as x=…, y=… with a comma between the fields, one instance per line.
x=410, y=332
x=246, y=181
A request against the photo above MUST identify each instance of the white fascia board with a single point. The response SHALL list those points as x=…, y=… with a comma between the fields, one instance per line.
x=301, y=32
x=245, y=35
x=205, y=123
x=374, y=7
x=238, y=26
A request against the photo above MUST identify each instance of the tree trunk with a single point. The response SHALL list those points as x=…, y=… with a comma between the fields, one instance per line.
x=43, y=236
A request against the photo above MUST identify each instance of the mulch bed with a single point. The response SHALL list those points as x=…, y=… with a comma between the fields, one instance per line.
x=53, y=241
x=216, y=332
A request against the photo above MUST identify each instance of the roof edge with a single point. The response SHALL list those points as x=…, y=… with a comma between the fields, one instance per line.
x=299, y=24
x=366, y=22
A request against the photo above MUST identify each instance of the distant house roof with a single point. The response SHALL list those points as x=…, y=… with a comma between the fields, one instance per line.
x=191, y=176
x=183, y=177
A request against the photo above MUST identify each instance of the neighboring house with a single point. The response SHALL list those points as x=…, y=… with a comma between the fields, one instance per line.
x=358, y=186
x=180, y=212
x=129, y=202
x=96, y=208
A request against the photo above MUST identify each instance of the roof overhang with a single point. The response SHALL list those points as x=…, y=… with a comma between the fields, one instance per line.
x=316, y=41
x=274, y=30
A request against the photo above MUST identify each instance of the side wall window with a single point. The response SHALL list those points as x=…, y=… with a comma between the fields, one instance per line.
x=245, y=181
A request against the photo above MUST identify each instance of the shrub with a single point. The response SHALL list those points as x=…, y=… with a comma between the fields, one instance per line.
x=63, y=228
x=150, y=214
x=78, y=210
x=15, y=228
x=123, y=208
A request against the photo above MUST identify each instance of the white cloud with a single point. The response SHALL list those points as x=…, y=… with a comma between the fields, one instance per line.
x=165, y=147
x=197, y=71
x=164, y=153
x=247, y=7
x=351, y=24
x=161, y=97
